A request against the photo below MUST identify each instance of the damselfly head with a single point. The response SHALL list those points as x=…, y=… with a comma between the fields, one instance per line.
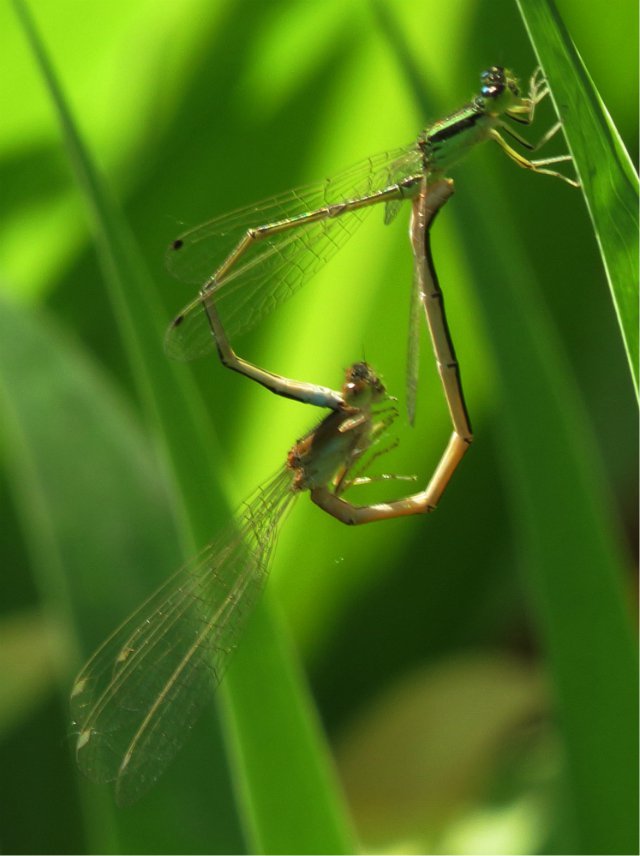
x=362, y=385
x=499, y=87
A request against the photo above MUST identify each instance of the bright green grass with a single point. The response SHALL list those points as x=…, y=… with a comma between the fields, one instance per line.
x=113, y=459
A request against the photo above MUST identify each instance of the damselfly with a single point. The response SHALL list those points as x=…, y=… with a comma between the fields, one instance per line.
x=136, y=699
x=254, y=258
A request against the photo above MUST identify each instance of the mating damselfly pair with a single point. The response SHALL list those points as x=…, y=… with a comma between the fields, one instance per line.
x=136, y=699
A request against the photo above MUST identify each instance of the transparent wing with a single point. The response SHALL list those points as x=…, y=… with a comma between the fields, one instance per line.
x=272, y=269
x=135, y=701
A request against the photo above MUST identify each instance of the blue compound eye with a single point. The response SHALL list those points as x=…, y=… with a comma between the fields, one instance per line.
x=491, y=91
x=493, y=81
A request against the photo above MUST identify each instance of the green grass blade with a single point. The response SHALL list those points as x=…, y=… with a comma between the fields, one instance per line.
x=97, y=521
x=570, y=542
x=176, y=414
x=568, y=539
x=571, y=553
x=290, y=711
x=208, y=131
x=609, y=181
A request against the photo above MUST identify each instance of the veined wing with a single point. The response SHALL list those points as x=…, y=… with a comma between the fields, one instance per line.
x=271, y=269
x=137, y=698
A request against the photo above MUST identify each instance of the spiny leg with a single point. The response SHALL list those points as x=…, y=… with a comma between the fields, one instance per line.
x=533, y=147
x=524, y=112
x=534, y=165
x=344, y=480
x=362, y=480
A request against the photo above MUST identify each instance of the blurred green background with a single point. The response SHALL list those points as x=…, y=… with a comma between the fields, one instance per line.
x=422, y=640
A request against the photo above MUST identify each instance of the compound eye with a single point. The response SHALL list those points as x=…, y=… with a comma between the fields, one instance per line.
x=493, y=72
x=358, y=372
x=493, y=82
x=492, y=91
